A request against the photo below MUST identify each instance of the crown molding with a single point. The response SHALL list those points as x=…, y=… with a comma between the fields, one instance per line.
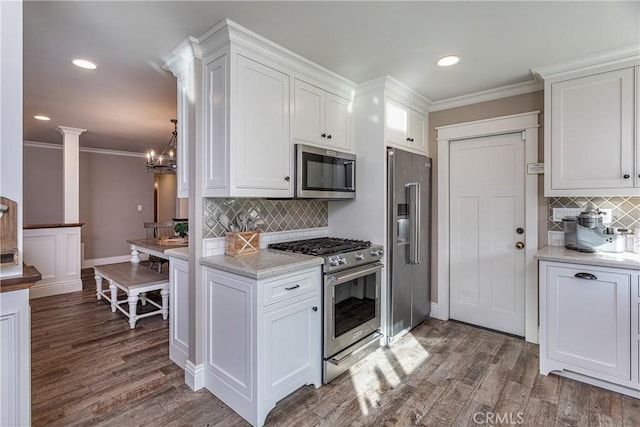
x=183, y=55
x=392, y=86
x=52, y=146
x=621, y=57
x=230, y=36
x=487, y=95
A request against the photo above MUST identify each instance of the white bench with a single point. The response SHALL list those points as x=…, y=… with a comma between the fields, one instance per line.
x=135, y=280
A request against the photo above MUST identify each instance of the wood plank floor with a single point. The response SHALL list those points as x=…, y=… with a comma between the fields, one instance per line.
x=89, y=368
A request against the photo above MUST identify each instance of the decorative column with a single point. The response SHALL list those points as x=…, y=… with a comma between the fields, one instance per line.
x=71, y=171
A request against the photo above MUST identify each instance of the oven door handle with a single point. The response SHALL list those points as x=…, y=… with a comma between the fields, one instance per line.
x=356, y=272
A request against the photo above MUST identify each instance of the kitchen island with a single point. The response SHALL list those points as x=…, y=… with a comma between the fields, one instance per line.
x=263, y=328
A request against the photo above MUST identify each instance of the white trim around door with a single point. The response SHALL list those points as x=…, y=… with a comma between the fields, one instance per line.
x=527, y=123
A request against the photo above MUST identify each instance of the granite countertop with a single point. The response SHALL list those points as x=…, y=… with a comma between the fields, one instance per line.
x=626, y=260
x=180, y=253
x=266, y=263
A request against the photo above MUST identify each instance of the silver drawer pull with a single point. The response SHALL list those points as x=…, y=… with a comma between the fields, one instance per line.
x=292, y=288
x=587, y=276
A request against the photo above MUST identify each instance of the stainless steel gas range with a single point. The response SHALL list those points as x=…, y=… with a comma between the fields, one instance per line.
x=351, y=297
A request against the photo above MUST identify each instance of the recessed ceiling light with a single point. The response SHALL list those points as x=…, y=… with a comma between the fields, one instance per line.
x=41, y=118
x=83, y=63
x=446, y=61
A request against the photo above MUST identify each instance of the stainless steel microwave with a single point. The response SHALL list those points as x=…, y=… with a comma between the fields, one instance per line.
x=324, y=174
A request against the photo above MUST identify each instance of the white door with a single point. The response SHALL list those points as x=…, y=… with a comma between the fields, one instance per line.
x=487, y=226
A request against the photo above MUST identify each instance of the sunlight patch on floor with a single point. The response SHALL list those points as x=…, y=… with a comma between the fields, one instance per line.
x=384, y=369
x=410, y=354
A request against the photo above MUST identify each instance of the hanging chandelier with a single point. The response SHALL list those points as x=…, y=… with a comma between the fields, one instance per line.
x=165, y=162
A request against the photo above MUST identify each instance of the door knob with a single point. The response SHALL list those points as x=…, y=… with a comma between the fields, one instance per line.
x=315, y=308
x=286, y=178
x=519, y=245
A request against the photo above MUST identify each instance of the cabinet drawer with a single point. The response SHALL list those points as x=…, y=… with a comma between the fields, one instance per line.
x=288, y=287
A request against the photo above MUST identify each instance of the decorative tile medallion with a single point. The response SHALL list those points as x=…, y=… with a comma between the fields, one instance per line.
x=625, y=210
x=279, y=215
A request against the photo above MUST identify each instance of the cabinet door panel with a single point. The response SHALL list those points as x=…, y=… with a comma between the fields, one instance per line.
x=292, y=340
x=592, y=131
x=417, y=128
x=215, y=148
x=396, y=121
x=230, y=331
x=587, y=321
x=309, y=112
x=337, y=122
x=263, y=146
x=637, y=171
x=179, y=312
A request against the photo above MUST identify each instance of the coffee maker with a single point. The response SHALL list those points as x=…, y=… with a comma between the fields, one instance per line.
x=591, y=235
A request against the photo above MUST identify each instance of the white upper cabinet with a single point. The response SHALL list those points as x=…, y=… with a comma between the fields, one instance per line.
x=262, y=148
x=405, y=127
x=637, y=118
x=590, y=142
x=321, y=117
x=247, y=149
x=243, y=102
x=592, y=132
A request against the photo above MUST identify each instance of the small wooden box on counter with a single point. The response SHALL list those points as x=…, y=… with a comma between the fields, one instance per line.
x=242, y=243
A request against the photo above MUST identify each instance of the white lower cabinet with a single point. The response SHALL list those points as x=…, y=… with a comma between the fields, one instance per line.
x=15, y=358
x=586, y=327
x=635, y=330
x=179, y=311
x=262, y=338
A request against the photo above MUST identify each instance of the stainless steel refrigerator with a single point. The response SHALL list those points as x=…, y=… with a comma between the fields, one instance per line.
x=409, y=231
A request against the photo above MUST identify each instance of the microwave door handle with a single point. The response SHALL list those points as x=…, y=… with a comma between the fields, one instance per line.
x=414, y=222
x=353, y=173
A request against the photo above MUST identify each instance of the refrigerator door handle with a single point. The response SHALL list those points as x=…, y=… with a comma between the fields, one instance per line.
x=414, y=222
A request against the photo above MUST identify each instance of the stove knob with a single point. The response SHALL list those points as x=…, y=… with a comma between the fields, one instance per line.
x=359, y=257
x=377, y=252
x=342, y=260
x=334, y=261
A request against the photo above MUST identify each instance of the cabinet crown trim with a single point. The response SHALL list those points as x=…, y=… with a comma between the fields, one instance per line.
x=227, y=32
x=396, y=90
x=625, y=56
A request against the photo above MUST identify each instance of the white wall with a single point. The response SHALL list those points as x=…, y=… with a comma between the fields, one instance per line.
x=11, y=114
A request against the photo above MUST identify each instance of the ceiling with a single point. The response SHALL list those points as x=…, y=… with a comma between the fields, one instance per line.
x=127, y=103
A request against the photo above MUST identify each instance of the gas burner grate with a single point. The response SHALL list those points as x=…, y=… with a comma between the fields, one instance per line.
x=321, y=245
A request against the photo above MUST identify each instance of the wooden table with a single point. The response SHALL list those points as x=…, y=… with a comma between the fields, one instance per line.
x=151, y=247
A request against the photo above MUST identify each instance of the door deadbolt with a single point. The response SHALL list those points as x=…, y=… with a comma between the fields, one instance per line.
x=519, y=230
x=519, y=245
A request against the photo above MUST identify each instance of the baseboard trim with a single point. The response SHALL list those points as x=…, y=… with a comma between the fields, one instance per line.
x=46, y=290
x=435, y=312
x=89, y=263
x=599, y=383
x=194, y=375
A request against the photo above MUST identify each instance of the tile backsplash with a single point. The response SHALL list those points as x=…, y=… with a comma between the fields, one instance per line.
x=279, y=215
x=626, y=210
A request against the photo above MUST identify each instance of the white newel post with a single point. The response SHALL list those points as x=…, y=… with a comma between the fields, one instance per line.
x=71, y=171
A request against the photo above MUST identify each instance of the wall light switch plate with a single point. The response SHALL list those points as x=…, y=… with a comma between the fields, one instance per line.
x=559, y=213
x=139, y=208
